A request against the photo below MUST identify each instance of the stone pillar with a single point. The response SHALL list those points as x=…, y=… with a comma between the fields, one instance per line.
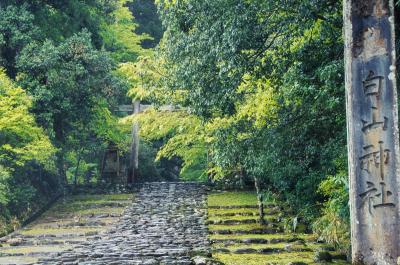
x=134, y=161
x=373, y=136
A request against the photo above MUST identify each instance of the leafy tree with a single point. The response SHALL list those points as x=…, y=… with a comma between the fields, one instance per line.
x=22, y=22
x=55, y=50
x=21, y=139
x=258, y=73
x=227, y=39
x=26, y=154
x=17, y=29
x=119, y=37
x=182, y=135
x=66, y=82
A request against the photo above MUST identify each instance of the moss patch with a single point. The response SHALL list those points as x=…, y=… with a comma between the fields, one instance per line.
x=270, y=218
x=257, y=259
x=232, y=198
x=266, y=236
x=33, y=249
x=60, y=231
x=276, y=248
x=18, y=260
x=102, y=198
x=70, y=221
x=279, y=258
x=238, y=227
x=239, y=211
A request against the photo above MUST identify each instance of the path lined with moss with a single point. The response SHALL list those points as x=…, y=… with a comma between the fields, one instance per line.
x=71, y=221
x=162, y=223
x=238, y=238
x=165, y=224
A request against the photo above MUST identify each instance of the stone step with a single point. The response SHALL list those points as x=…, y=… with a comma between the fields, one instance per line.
x=32, y=251
x=92, y=205
x=76, y=224
x=232, y=214
x=256, y=240
x=63, y=216
x=264, y=251
x=18, y=260
x=232, y=222
x=271, y=221
x=161, y=226
x=239, y=212
x=257, y=231
x=21, y=237
x=251, y=206
x=31, y=254
x=233, y=207
x=50, y=241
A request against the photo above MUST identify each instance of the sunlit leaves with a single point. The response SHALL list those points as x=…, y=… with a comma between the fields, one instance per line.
x=147, y=80
x=21, y=140
x=183, y=136
x=260, y=103
x=119, y=36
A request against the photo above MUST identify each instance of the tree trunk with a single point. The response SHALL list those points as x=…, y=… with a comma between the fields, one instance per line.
x=59, y=136
x=260, y=200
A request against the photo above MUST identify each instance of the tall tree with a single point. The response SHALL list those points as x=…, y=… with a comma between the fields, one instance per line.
x=65, y=82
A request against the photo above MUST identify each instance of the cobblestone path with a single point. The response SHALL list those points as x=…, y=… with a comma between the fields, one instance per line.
x=164, y=225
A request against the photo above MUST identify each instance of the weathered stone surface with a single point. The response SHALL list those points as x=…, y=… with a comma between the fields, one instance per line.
x=199, y=260
x=254, y=241
x=245, y=251
x=373, y=135
x=164, y=225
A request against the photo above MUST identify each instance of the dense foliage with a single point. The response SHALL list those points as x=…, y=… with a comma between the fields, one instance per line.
x=58, y=88
x=265, y=80
x=26, y=155
x=243, y=92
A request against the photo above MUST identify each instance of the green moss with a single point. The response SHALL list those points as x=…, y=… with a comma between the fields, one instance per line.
x=212, y=212
x=282, y=246
x=258, y=259
x=70, y=222
x=268, y=236
x=104, y=210
x=286, y=252
x=33, y=249
x=278, y=258
x=232, y=198
x=80, y=202
x=19, y=260
x=255, y=246
x=270, y=218
x=59, y=231
x=102, y=198
x=59, y=214
x=238, y=227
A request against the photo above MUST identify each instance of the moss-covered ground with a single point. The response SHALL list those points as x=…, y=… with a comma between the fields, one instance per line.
x=238, y=241
x=70, y=221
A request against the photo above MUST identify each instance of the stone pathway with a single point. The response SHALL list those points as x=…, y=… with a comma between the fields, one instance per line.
x=164, y=225
x=71, y=221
